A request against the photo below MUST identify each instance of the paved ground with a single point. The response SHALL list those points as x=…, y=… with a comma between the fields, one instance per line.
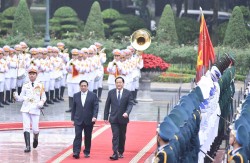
x=12, y=143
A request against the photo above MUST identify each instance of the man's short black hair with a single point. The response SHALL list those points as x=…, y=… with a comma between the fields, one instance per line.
x=84, y=82
x=119, y=77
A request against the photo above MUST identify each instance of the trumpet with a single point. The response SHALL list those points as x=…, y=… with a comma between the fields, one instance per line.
x=114, y=64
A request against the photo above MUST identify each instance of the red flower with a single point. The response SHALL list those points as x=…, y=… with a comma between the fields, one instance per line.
x=154, y=63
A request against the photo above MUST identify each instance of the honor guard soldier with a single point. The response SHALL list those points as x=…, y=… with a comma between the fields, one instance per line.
x=33, y=97
x=97, y=68
x=102, y=56
x=72, y=77
x=164, y=151
x=6, y=49
x=3, y=70
x=65, y=57
x=239, y=140
x=113, y=68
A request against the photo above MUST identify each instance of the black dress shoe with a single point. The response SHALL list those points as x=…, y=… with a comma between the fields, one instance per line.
x=76, y=155
x=6, y=103
x=120, y=155
x=114, y=157
x=50, y=102
x=56, y=100
x=68, y=111
x=86, y=155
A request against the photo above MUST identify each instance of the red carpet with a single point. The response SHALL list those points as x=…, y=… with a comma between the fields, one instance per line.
x=139, y=134
x=44, y=124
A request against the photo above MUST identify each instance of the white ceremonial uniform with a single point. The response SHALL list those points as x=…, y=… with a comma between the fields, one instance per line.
x=72, y=82
x=22, y=73
x=58, y=71
x=65, y=59
x=3, y=70
x=98, y=71
x=12, y=61
x=92, y=73
x=44, y=71
x=33, y=98
x=113, y=72
x=103, y=58
x=138, y=61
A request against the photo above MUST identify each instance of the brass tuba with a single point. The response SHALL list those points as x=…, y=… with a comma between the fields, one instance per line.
x=140, y=40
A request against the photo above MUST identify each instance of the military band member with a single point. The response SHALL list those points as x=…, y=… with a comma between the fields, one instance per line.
x=33, y=97
x=12, y=63
x=65, y=57
x=6, y=49
x=136, y=74
x=113, y=68
x=97, y=68
x=3, y=70
x=44, y=71
x=21, y=74
x=51, y=78
x=93, y=67
x=57, y=72
x=72, y=81
x=102, y=57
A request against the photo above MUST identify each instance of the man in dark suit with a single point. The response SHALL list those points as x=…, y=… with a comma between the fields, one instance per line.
x=84, y=114
x=120, y=101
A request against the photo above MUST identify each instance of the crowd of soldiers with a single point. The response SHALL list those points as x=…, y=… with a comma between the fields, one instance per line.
x=57, y=70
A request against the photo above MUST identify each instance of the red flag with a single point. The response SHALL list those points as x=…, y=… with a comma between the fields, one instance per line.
x=205, y=50
x=74, y=71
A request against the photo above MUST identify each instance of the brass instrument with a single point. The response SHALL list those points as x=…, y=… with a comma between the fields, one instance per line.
x=140, y=40
x=102, y=51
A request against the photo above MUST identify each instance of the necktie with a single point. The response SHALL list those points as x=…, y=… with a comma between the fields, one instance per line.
x=32, y=84
x=119, y=97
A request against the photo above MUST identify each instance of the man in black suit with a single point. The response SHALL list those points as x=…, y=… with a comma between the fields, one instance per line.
x=84, y=114
x=120, y=101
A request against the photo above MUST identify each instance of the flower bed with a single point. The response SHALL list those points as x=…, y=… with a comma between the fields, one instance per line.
x=174, y=77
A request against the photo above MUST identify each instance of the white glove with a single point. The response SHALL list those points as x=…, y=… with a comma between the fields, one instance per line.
x=15, y=95
x=40, y=104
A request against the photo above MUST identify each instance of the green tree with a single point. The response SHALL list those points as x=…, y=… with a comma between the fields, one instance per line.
x=7, y=20
x=236, y=34
x=109, y=16
x=94, y=24
x=166, y=31
x=23, y=22
x=65, y=23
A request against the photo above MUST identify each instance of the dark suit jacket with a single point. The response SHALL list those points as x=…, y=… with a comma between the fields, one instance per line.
x=84, y=114
x=117, y=110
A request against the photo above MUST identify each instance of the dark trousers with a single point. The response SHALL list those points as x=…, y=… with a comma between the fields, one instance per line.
x=78, y=138
x=119, y=137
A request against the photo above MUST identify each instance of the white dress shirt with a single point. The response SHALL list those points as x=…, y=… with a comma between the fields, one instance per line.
x=83, y=97
x=117, y=93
